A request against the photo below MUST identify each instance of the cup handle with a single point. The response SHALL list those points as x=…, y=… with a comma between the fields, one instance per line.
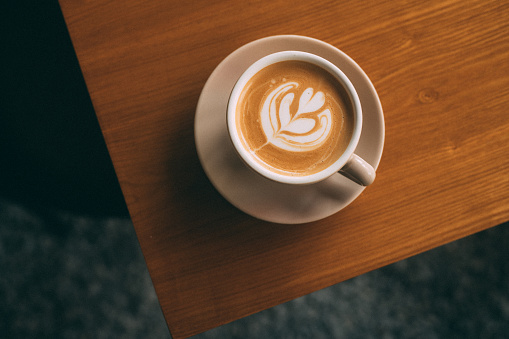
x=358, y=170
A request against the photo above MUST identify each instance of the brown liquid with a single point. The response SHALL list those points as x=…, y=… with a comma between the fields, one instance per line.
x=289, y=152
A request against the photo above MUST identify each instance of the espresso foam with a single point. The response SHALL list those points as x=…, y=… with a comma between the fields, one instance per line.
x=294, y=118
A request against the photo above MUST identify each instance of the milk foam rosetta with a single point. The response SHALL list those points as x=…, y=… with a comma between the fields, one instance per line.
x=294, y=118
x=306, y=129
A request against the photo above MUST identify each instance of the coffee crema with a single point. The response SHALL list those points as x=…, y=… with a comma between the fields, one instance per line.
x=294, y=118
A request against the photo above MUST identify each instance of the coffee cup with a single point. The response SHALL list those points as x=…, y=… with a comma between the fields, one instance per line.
x=295, y=118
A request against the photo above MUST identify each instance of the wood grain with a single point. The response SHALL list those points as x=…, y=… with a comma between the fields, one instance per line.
x=441, y=71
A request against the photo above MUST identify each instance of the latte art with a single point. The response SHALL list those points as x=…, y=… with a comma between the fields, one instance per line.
x=294, y=118
x=300, y=131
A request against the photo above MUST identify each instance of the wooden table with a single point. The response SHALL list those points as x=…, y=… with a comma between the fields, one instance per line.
x=442, y=74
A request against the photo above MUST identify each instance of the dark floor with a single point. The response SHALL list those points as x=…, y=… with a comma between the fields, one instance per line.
x=92, y=282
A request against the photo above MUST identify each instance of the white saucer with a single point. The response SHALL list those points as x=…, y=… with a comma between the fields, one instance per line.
x=250, y=192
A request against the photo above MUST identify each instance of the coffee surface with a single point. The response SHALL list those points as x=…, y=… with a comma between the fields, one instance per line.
x=294, y=118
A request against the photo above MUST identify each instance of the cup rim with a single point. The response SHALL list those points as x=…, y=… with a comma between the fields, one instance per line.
x=287, y=56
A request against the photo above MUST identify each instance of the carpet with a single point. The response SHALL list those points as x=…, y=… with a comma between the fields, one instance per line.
x=65, y=275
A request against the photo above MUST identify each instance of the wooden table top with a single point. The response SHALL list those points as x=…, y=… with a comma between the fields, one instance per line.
x=441, y=71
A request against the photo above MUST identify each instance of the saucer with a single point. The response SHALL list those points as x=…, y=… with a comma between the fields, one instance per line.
x=250, y=192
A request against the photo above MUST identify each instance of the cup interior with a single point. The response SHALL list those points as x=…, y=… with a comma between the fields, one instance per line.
x=332, y=69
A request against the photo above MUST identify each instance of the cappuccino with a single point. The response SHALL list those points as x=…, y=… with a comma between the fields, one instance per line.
x=294, y=118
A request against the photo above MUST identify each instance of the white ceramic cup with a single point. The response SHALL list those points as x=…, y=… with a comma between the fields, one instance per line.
x=348, y=164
